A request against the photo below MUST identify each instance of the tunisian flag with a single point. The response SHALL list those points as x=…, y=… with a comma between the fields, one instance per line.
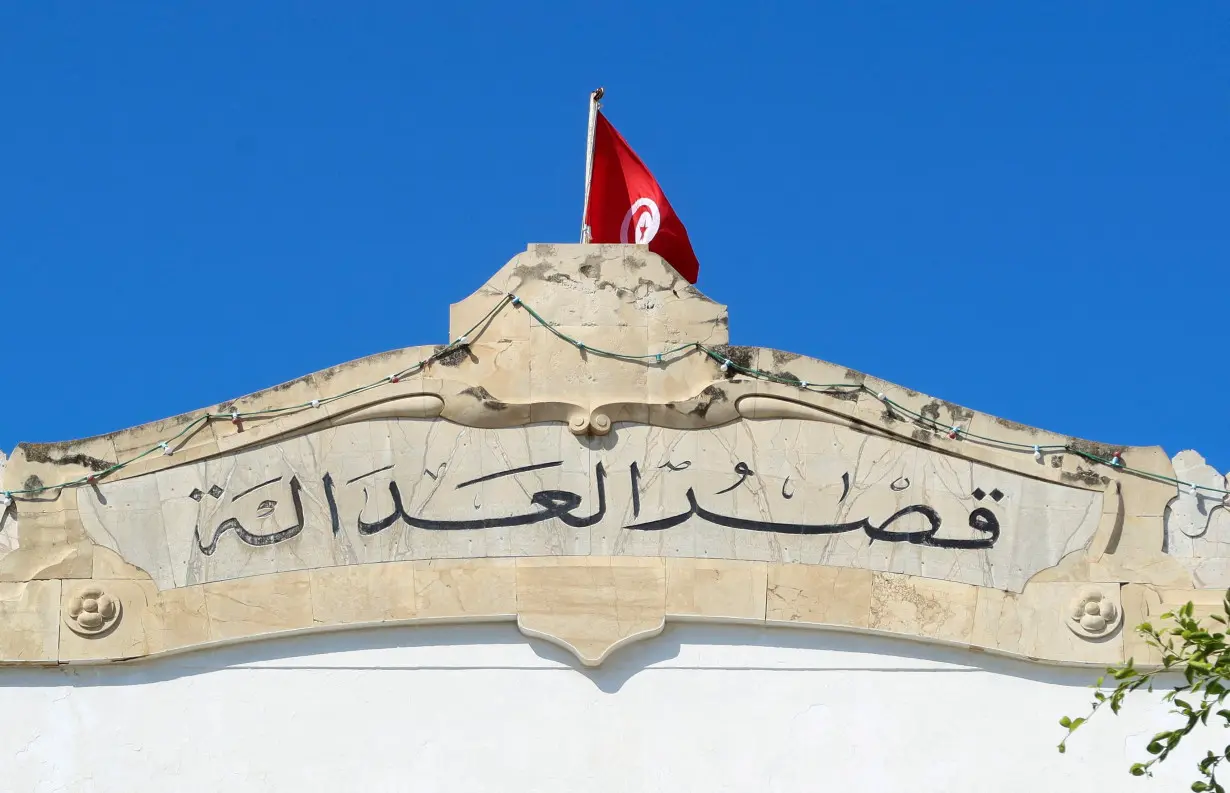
x=627, y=205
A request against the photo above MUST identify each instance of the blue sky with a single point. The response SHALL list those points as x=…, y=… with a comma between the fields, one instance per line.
x=1022, y=210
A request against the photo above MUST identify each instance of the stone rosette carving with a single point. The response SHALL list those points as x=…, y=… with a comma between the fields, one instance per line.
x=92, y=611
x=1092, y=614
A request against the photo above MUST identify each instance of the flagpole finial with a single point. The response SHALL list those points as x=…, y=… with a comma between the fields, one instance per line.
x=594, y=97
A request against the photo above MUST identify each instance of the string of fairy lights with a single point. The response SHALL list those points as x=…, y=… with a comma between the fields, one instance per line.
x=725, y=365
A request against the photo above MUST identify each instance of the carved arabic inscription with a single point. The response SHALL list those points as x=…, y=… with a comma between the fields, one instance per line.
x=780, y=490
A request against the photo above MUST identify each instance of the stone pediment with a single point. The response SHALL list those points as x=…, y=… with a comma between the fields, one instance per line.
x=590, y=457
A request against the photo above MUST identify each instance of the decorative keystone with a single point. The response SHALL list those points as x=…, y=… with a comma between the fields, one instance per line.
x=1092, y=615
x=92, y=612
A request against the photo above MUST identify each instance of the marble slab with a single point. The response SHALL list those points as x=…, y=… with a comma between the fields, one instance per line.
x=779, y=490
x=1198, y=523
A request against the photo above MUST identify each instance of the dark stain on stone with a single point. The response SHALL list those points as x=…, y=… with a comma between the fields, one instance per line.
x=709, y=397
x=284, y=386
x=329, y=374
x=1085, y=476
x=888, y=416
x=650, y=286
x=847, y=395
x=454, y=357
x=922, y=436
x=532, y=272
x=782, y=358
x=1090, y=447
x=931, y=412
x=592, y=266
x=624, y=293
x=32, y=483
x=1056, y=461
x=855, y=376
x=620, y=292
x=634, y=263
x=1016, y=425
x=788, y=375
x=957, y=412
x=542, y=271
x=740, y=356
x=844, y=394
x=484, y=396
x=44, y=453
x=695, y=294
x=700, y=409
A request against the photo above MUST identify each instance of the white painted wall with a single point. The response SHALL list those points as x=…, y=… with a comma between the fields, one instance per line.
x=481, y=708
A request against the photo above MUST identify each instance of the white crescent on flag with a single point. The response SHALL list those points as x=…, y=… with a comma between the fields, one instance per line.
x=645, y=218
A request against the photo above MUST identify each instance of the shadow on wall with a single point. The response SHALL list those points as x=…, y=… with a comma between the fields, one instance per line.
x=807, y=650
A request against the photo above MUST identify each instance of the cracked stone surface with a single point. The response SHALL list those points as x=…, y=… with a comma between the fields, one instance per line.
x=1198, y=524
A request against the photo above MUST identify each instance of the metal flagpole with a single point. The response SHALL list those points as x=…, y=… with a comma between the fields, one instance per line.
x=589, y=157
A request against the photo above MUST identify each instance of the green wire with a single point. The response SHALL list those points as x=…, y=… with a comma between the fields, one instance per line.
x=683, y=348
x=598, y=350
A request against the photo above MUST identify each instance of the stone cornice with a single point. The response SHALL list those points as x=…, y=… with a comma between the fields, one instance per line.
x=514, y=372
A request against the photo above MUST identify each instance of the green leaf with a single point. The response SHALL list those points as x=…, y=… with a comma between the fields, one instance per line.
x=1154, y=747
x=1065, y=722
x=1137, y=769
x=1199, y=786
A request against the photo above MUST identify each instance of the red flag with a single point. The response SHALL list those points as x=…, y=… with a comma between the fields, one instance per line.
x=627, y=205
